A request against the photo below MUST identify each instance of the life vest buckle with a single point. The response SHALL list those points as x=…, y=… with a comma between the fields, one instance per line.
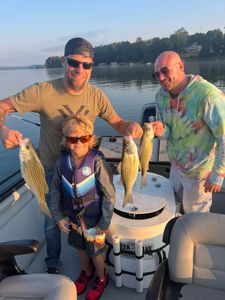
x=78, y=202
x=80, y=213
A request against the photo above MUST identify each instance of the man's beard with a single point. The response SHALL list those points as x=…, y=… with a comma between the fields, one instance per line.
x=74, y=86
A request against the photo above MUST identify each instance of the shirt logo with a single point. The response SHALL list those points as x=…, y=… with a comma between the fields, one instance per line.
x=86, y=171
x=66, y=111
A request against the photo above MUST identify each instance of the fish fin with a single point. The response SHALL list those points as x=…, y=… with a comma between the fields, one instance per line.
x=143, y=181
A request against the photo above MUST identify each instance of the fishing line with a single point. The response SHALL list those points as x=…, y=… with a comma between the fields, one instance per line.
x=25, y=120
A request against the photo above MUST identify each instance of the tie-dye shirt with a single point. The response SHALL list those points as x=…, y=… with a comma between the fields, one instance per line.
x=195, y=129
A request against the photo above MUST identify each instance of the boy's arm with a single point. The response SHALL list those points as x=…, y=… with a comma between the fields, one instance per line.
x=105, y=181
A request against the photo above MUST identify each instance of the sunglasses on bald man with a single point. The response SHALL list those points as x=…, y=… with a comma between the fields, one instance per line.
x=164, y=71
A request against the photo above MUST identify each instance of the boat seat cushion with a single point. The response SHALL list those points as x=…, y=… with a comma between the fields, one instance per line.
x=37, y=286
x=195, y=292
x=197, y=250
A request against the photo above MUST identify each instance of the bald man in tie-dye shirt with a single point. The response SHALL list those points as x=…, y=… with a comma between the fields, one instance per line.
x=192, y=117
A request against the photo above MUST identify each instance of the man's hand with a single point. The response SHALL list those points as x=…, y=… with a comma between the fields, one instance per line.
x=126, y=127
x=134, y=129
x=158, y=128
x=64, y=225
x=10, y=138
x=210, y=187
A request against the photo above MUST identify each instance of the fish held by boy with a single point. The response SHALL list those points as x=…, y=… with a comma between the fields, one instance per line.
x=33, y=173
x=129, y=167
x=145, y=152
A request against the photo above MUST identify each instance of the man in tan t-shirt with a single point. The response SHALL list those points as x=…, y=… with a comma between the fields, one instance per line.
x=54, y=100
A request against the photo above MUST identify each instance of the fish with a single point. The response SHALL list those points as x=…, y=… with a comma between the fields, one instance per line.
x=129, y=167
x=33, y=173
x=145, y=151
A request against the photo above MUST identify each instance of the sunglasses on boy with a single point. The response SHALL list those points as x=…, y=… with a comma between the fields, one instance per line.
x=76, y=63
x=74, y=139
x=164, y=71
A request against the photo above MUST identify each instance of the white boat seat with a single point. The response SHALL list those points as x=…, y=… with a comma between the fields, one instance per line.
x=37, y=286
x=197, y=250
x=15, y=284
x=195, y=268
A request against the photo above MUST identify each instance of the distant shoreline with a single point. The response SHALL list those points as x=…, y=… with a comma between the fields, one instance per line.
x=187, y=59
x=22, y=67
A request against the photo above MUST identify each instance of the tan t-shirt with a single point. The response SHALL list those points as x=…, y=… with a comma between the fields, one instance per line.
x=53, y=103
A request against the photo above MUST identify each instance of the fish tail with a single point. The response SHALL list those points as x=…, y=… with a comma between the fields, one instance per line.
x=128, y=198
x=45, y=210
x=143, y=180
x=44, y=207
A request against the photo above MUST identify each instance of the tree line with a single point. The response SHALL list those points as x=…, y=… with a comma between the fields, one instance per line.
x=212, y=44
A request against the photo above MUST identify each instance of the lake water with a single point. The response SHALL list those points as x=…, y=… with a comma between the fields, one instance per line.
x=128, y=88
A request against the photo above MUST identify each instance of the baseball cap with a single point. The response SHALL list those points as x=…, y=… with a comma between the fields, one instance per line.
x=79, y=46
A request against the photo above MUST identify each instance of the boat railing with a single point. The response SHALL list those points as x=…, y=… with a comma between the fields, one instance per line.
x=10, y=184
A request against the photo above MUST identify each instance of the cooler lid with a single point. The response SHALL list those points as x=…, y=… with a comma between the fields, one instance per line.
x=147, y=202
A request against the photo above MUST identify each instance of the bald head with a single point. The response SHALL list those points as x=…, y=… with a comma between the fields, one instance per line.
x=169, y=71
x=167, y=58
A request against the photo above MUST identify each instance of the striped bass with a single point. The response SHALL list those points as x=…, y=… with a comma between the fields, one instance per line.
x=129, y=167
x=33, y=173
x=145, y=152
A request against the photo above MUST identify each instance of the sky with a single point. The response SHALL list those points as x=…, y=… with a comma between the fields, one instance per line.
x=33, y=30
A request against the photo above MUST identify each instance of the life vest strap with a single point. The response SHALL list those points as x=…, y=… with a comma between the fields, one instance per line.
x=82, y=200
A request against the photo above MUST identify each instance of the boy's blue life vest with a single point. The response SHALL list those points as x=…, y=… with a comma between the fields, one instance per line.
x=79, y=186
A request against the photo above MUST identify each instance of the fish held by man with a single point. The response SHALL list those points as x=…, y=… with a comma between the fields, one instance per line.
x=145, y=152
x=129, y=167
x=33, y=173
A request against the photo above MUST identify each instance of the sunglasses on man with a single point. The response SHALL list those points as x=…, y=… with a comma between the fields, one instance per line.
x=164, y=71
x=74, y=139
x=76, y=63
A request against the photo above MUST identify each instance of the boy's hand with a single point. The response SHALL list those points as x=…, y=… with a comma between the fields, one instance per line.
x=99, y=230
x=64, y=225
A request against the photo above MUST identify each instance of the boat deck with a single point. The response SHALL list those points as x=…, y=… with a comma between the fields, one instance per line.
x=70, y=266
x=20, y=220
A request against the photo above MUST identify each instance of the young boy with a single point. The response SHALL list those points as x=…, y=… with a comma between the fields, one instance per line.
x=82, y=200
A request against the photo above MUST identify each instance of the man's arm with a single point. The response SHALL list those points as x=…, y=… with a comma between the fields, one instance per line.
x=5, y=108
x=126, y=127
x=10, y=138
x=214, y=117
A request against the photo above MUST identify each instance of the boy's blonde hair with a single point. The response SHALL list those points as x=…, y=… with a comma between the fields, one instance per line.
x=72, y=122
